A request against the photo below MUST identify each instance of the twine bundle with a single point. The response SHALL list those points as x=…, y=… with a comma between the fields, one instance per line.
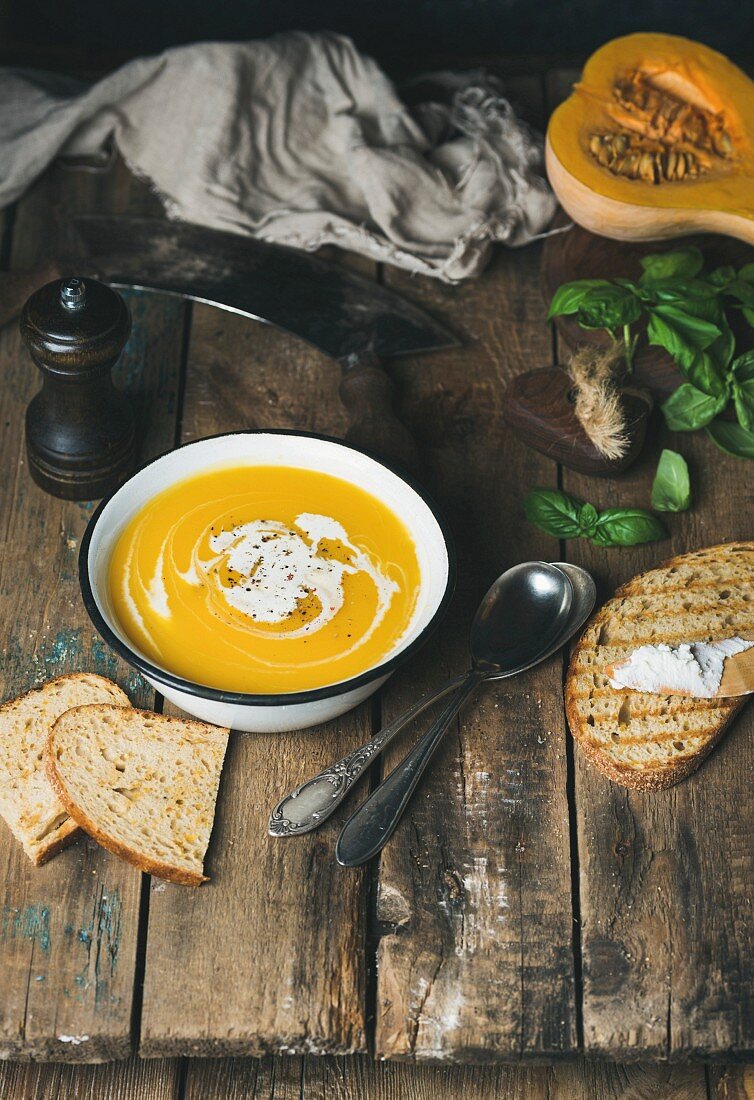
x=597, y=399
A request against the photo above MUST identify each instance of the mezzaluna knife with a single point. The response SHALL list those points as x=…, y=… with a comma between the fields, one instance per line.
x=350, y=318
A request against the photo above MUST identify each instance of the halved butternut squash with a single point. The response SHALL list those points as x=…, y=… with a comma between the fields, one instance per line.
x=656, y=140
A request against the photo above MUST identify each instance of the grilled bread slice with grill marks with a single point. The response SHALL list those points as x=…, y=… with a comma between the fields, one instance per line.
x=638, y=739
x=27, y=801
x=142, y=784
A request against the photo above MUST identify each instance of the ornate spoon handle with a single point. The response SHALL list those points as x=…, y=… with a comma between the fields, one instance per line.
x=310, y=805
x=368, y=829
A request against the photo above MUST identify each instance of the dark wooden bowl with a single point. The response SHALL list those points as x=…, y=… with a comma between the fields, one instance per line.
x=539, y=409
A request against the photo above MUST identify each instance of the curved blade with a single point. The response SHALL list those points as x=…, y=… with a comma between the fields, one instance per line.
x=336, y=311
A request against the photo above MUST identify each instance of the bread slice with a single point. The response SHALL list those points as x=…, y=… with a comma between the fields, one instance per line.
x=28, y=803
x=143, y=785
x=646, y=741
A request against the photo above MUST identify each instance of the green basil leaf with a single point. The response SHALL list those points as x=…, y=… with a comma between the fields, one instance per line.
x=681, y=263
x=732, y=438
x=627, y=527
x=704, y=375
x=553, y=511
x=742, y=291
x=688, y=408
x=722, y=276
x=743, y=367
x=743, y=401
x=588, y=516
x=707, y=370
x=742, y=370
x=609, y=307
x=721, y=350
x=671, y=488
x=680, y=290
x=680, y=332
x=708, y=307
x=568, y=298
x=747, y=273
x=749, y=315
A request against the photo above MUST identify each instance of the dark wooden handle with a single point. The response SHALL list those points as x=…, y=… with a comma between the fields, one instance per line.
x=366, y=391
x=80, y=432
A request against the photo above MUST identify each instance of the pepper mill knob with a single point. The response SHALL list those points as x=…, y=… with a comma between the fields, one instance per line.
x=80, y=438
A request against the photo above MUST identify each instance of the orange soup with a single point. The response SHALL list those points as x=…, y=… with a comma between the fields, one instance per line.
x=265, y=579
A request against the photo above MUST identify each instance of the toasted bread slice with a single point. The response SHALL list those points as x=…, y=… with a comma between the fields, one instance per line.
x=143, y=785
x=27, y=801
x=647, y=741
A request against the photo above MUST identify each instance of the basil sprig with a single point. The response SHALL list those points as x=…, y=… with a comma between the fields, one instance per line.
x=671, y=488
x=732, y=438
x=567, y=517
x=686, y=313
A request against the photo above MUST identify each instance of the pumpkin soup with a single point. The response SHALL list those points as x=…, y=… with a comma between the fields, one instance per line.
x=265, y=579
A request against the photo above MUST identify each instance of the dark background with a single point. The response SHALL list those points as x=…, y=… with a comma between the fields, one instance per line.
x=92, y=35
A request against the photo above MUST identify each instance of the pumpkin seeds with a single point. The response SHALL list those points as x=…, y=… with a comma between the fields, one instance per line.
x=661, y=139
x=631, y=158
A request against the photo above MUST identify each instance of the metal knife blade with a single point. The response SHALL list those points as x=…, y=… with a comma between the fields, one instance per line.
x=334, y=310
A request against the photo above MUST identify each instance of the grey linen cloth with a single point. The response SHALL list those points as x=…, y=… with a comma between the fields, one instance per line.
x=298, y=139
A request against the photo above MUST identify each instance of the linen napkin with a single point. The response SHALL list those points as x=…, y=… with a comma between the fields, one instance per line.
x=298, y=139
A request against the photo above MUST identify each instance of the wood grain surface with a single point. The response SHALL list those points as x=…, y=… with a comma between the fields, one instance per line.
x=360, y=1078
x=69, y=930
x=128, y=1079
x=733, y=1083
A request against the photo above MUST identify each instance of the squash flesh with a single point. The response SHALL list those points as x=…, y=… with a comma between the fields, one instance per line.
x=713, y=98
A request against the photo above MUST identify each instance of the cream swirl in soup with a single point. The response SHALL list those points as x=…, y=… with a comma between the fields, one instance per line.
x=227, y=580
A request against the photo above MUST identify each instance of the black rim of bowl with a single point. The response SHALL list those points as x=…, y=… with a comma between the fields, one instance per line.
x=202, y=691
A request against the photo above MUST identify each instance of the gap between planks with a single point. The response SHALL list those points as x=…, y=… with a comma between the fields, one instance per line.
x=573, y=820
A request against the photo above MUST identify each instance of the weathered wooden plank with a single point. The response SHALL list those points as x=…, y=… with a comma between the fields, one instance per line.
x=269, y=956
x=474, y=890
x=68, y=936
x=586, y=1080
x=731, y=1083
x=666, y=878
x=129, y=1079
x=270, y=1078
x=360, y=1078
x=364, y=1079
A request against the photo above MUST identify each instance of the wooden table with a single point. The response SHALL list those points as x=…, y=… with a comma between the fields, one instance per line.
x=526, y=910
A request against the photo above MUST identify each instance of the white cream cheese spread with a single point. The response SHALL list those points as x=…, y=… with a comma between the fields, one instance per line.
x=694, y=668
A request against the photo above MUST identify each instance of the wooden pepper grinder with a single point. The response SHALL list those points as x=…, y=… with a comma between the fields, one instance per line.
x=79, y=429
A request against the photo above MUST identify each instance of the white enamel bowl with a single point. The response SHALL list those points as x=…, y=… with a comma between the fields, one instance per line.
x=294, y=710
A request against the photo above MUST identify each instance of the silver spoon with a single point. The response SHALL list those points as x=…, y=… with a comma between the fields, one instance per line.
x=312, y=803
x=527, y=614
